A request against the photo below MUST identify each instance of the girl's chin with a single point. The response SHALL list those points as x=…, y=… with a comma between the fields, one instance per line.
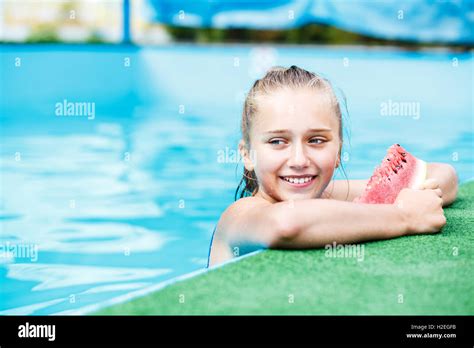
x=288, y=192
x=287, y=196
x=298, y=196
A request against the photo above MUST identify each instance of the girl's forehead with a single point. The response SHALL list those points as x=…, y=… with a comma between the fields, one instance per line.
x=295, y=109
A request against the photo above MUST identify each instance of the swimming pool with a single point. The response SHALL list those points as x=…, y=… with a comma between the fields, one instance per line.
x=116, y=161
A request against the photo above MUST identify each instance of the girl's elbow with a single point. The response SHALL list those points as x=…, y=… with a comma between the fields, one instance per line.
x=452, y=191
x=285, y=230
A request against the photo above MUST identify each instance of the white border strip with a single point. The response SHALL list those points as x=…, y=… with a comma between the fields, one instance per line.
x=139, y=293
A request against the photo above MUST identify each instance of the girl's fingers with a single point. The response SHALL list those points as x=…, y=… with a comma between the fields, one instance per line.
x=430, y=184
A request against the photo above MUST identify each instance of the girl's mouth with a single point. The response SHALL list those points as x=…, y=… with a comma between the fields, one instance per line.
x=299, y=181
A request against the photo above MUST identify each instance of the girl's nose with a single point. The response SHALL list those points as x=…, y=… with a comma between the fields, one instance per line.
x=298, y=157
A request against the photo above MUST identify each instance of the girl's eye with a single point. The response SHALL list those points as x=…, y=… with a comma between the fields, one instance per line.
x=316, y=141
x=276, y=142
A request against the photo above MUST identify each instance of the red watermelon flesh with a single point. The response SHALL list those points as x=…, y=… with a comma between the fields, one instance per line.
x=398, y=170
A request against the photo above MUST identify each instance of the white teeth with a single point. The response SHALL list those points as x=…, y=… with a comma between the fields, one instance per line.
x=298, y=180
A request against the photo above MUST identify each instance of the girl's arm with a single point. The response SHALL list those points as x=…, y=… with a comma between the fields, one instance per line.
x=319, y=222
x=313, y=223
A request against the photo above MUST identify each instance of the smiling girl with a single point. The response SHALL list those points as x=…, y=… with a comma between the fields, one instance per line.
x=291, y=145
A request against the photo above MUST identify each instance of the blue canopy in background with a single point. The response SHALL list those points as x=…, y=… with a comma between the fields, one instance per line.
x=448, y=21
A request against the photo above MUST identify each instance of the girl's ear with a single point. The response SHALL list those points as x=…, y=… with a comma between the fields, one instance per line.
x=244, y=153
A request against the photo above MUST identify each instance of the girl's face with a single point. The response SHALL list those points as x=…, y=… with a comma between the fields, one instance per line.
x=295, y=141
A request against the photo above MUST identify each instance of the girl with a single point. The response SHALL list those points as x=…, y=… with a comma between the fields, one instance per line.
x=292, y=129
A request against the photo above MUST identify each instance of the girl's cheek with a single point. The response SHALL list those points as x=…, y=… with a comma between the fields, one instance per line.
x=330, y=155
x=327, y=165
x=267, y=161
x=331, y=166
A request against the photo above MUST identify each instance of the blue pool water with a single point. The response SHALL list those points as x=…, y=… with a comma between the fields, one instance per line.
x=116, y=201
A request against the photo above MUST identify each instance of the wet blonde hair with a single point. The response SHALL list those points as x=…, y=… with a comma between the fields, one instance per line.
x=274, y=79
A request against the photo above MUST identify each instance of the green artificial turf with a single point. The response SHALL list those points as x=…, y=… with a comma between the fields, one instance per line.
x=424, y=275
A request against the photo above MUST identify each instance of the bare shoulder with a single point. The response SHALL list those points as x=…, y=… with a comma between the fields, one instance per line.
x=233, y=224
x=238, y=213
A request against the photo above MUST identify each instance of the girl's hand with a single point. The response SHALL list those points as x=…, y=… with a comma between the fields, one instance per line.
x=432, y=184
x=422, y=209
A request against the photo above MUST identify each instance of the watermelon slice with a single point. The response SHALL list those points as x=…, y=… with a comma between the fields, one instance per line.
x=398, y=170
